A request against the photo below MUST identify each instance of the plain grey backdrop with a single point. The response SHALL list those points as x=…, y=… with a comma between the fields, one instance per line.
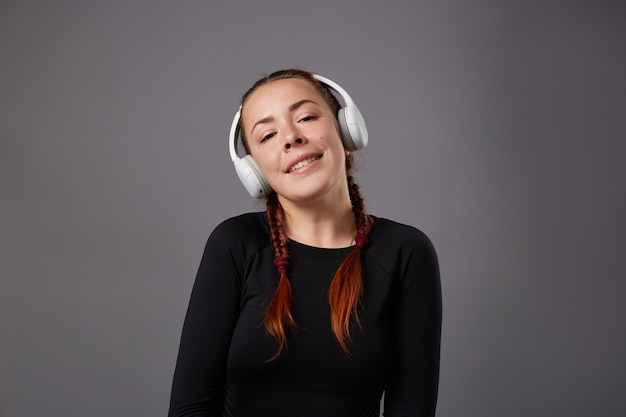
x=498, y=128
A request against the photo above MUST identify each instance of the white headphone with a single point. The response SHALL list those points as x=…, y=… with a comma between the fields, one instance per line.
x=353, y=136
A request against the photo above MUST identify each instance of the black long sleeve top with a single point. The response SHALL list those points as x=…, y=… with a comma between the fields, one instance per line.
x=222, y=367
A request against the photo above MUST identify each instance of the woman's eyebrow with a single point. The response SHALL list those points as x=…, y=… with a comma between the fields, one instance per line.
x=263, y=120
x=297, y=104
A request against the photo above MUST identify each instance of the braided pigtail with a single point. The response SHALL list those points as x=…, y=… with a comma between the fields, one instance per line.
x=344, y=294
x=278, y=312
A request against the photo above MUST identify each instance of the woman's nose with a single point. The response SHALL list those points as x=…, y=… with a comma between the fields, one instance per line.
x=293, y=137
x=292, y=142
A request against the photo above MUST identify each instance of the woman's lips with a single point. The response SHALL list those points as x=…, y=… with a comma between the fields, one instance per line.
x=303, y=162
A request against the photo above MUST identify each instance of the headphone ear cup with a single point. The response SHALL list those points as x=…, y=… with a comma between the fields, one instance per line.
x=252, y=177
x=352, y=126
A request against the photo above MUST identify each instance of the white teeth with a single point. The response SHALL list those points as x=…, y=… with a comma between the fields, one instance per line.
x=303, y=163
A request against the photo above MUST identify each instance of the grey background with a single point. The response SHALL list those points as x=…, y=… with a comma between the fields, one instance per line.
x=496, y=127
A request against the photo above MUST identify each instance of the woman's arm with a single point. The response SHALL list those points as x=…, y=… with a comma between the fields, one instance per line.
x=200, y=375
x=413, y=386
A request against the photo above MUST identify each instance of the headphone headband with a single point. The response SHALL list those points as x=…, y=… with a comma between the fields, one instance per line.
x=353, y=136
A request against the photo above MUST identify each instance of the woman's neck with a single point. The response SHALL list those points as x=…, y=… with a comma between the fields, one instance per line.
x=326, y=224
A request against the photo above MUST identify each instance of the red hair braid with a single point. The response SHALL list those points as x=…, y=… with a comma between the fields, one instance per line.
x=278, y=312
x=346, y=288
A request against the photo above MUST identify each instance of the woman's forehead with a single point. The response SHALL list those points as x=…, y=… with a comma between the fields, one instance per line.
x=282, y=89
x=279, y=95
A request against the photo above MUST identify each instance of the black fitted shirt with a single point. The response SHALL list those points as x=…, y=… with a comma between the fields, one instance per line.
x=222, y=367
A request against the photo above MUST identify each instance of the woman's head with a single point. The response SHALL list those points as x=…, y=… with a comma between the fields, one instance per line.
x=322, y=89
x=290, y=128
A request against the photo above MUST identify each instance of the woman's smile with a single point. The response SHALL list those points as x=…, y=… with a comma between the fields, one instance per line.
x=304, y=162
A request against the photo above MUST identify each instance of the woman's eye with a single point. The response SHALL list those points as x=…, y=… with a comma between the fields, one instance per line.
x=267, y=137
x=308, y=118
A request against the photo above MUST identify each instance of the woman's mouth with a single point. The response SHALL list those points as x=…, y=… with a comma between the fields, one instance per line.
x=304, y=163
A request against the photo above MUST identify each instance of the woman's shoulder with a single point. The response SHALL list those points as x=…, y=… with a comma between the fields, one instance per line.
x=403, y=248
x=392, y=241
x=248, y=228
x=390, y=232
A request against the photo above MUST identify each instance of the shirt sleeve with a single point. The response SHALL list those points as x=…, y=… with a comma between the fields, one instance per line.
x=200, y=374
x=413, y=385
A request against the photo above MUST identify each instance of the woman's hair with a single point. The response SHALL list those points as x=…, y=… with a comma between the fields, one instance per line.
x=344, y=294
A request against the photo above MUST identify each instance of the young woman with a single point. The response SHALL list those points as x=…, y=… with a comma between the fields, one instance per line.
x=313, y=307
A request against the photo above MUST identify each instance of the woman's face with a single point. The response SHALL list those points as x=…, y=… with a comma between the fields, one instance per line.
x=293, y=135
